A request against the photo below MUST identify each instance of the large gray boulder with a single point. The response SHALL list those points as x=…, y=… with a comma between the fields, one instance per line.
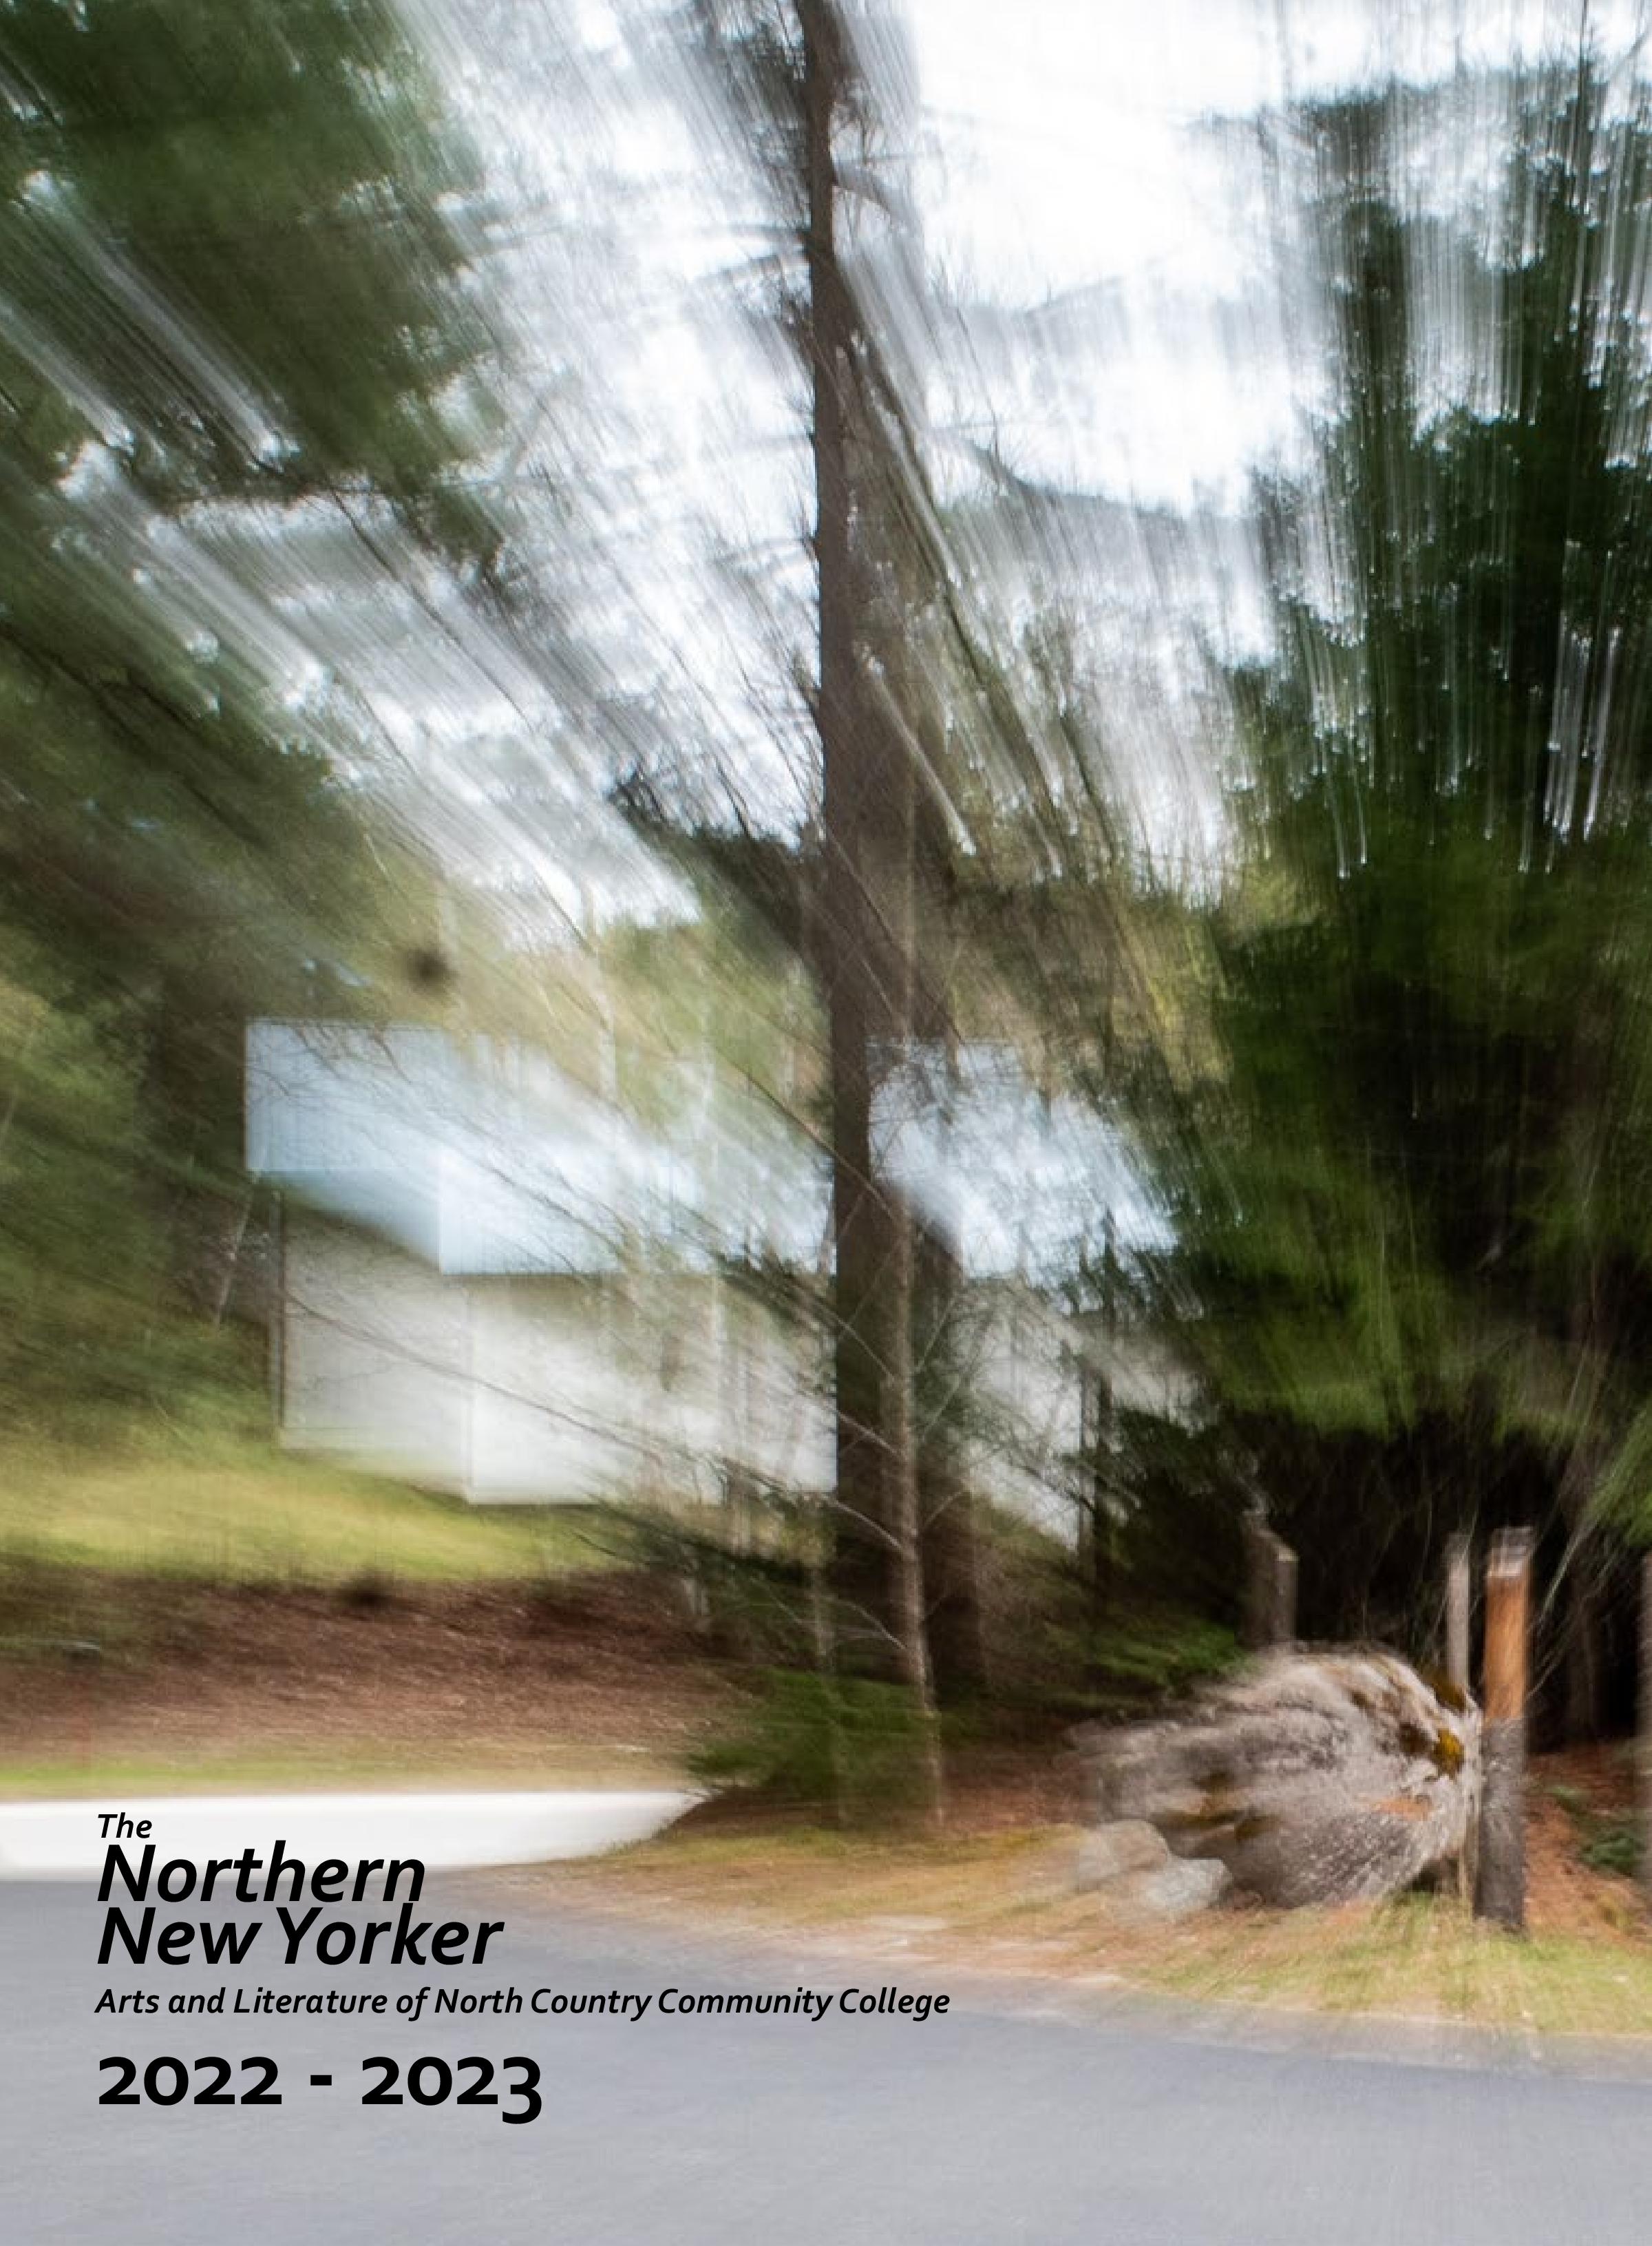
x=1314, y=1777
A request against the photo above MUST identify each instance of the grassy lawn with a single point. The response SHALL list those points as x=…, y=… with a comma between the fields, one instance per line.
x=366, y=1765
x=231, y=1619
x=1422, y=1956
x=241, y=1513
x=1000, y=1902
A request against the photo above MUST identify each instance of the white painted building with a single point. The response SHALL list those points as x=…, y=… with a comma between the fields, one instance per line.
x=494, y=1283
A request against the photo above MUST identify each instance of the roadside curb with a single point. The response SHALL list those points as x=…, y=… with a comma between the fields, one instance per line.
x=64, y=1839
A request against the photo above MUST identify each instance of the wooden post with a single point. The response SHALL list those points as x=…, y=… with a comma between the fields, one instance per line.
x=1258, y=1583
x=1270, y=1587
x=1284, y=1616
x=1646, y=1725
x=1457, y=1613
x=1500, y=1892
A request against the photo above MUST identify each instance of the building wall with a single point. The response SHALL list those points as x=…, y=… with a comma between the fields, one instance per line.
x=373, y=1354
x=665, y=1385
x=541, y=1389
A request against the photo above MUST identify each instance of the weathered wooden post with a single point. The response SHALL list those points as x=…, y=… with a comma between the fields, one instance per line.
x=1646, y=1726
x=1501, y=1891
x=1255, y=1616
x=1457, y=1613
x=1270, y=1587
x=1284, y=1614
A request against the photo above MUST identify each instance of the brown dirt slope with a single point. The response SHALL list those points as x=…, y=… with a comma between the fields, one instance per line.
x=438, y=1678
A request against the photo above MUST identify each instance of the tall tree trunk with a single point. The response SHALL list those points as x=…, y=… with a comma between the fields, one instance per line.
x=862, y=1239
x=867, y=974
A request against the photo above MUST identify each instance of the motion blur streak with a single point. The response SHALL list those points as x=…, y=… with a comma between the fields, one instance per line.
x=866, y=788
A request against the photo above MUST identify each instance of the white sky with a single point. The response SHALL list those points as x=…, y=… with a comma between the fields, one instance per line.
x=1069, y=168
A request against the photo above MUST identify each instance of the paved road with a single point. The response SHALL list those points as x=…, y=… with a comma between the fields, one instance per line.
x=991, y=2124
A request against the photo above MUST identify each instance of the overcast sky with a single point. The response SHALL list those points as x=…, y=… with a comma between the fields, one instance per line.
x=1089, y=166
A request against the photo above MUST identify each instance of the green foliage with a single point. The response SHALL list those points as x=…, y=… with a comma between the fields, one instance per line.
x=235, y=292
x=76, y=1287
x=1131, y=1663
x=848, y=1745
x=1614, y=1848
x=1606, y=1842
x=1411, y=1193
x=1176, y=1501
x=745, y=1566
x=1625, y=1494
x=232, y=227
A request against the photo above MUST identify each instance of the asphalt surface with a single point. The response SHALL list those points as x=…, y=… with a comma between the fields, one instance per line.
x=1008, y=2118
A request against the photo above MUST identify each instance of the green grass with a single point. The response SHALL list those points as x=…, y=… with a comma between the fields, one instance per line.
x=235, y=1512
x=1420, y=1955
x=1608, y=1841
x=1003, y=1901
x=374, y=1766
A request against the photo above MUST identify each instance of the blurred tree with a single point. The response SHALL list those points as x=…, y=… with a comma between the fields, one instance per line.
x=788, y=72
x=232, y=280
x=1412, y=1198
x=232, y=246
x=819, y=94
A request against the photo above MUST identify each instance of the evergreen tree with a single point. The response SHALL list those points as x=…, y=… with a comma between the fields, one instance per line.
x=233, y=286
x=1411, y=1200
